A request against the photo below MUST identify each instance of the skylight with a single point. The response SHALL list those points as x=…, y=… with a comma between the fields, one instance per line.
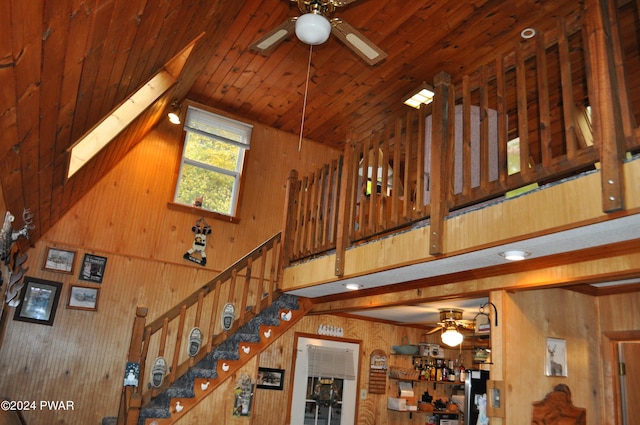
x=118, y=119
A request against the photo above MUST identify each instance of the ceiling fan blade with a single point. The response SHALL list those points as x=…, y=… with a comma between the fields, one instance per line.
x=434, y=330
x=273, y=38
x=357, y=42
x=341, y=3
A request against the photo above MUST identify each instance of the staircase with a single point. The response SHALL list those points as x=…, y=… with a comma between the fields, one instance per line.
x=223, y=361
x=261, y=314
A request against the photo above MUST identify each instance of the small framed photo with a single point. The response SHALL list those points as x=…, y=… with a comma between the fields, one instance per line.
x=59, y=260
x=93, y=268
x=556, y=357
x=270, y=379
x=83, y=298
x=38, y=301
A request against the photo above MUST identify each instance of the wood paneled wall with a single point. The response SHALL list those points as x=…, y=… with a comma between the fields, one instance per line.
x=532, y=316
x=125, y=218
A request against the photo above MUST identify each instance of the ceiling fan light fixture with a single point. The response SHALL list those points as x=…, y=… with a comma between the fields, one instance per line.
x=313, y=28
x=515, y=255
x=452, y=337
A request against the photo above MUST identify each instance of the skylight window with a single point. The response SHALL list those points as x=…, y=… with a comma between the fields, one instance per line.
x=118, y=119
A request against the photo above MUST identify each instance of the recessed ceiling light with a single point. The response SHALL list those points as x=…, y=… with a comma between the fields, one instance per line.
x=353, y=286
x=515, y=255
x=527, y=33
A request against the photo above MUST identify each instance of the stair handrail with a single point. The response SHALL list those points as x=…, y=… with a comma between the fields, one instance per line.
x=268, y=252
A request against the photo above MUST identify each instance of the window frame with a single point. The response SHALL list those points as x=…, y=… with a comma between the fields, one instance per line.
x=224, y=121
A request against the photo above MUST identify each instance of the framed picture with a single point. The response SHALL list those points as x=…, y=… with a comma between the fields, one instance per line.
x=93, y=268
x=38, y=301
x=556, y=357
x=270, y=379
x=59, y=260
x=83, y=298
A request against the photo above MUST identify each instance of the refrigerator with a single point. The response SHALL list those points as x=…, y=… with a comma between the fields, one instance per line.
x=476, y=384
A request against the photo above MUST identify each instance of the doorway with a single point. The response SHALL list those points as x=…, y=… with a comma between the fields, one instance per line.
x=325, y=381
x=628, y=353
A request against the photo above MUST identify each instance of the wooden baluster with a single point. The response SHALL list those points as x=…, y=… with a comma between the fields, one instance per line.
x=289, y=221
x=196, y=322
x=501, y=89
x=178, y=345
x=245, y=291
x=260, y=291
x=161, y=347
x=215, y=314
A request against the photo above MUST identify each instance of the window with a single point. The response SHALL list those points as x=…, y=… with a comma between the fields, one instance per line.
x=212, y=160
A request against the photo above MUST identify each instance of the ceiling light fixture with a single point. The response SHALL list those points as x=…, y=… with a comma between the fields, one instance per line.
x=528, y=33
x=313, y=28
x=515, y=255
x=174, y=113
x=353, y=286
x=451, y=336
x=422, y=95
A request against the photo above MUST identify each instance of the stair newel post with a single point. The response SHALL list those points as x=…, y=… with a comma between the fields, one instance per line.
x=214, y=314
x=130, y=408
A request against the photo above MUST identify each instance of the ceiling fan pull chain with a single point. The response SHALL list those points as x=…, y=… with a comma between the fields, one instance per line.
x=304, y=102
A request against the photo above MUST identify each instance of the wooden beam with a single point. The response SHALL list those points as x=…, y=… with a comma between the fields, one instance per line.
x=441, y=159
x=607, y=115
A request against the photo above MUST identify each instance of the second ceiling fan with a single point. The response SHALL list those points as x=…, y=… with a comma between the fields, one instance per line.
x=314, y=27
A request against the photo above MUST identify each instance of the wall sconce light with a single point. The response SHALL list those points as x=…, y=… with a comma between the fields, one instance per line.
x=174, y=113
x=451, y=336
x=422, y=95
x=515, y=255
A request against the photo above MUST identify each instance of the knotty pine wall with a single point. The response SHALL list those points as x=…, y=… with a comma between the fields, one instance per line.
x=125, y=218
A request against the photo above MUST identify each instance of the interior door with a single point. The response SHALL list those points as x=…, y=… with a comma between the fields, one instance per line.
x=629, y=356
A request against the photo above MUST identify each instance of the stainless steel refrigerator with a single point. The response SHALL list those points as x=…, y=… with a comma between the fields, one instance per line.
x=476, y=384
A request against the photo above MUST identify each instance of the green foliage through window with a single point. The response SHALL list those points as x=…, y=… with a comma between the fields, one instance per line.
x=212, y=159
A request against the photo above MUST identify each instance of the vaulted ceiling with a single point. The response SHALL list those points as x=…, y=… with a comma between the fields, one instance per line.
x=65, y=65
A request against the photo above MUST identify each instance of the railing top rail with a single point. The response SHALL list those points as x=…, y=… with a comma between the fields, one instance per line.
x=209, y=286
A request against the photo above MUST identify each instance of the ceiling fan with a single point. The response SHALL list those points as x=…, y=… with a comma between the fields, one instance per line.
x=314, y=27
x=452, y=325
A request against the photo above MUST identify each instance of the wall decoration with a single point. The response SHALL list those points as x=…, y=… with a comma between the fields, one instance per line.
x=378, y=372
x=132, y=374
x=244, y=396
x=38, y=301
x=93, y=268
x=201, y=230
x=59, y=260
x=83, y=298
x=556, y=357
x=270, y=379
x=11, y=259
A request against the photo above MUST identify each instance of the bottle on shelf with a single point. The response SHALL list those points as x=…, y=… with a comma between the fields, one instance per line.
x=463, y=372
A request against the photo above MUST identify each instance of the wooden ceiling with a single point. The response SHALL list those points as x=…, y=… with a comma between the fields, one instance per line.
x=65, y=65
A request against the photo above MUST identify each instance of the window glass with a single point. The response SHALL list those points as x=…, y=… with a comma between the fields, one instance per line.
x=212, y=160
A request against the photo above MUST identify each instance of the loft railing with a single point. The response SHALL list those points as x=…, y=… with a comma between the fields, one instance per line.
x=551, y=107
x=250, y=284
